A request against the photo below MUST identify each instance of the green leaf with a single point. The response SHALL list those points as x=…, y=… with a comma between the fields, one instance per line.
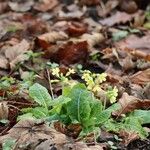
x=143, y=115
x=134, y=124
x=8, y=144
x=25, y=116
x=40, y=95
x=119, y=35
x=78, y=108
x=58, y=103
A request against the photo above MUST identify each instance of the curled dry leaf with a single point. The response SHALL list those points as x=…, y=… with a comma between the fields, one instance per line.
x=4, y=110
x=15, y=54
x=141, y=77
x=46, y=5
x=76, y=28
x=118, y=17
x=129, y=103
x=93, y=39
x=52, y=37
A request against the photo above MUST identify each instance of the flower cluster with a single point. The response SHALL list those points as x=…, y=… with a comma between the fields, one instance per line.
x=63, y=78
x=93, y=80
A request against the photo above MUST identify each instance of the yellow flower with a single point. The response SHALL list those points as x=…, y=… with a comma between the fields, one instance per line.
x=96, y=88
x=100, y=78
x=55, y=72
x=71, y=71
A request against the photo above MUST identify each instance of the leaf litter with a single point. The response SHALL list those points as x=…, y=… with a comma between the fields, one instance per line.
x=99, y=36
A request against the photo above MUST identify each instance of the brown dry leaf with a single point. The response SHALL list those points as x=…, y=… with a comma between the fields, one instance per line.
x=128, y=6
x=93, y=39
x=81, y=146
x=108, y=7
x=134, y=42
x=15, y=54
x=21, y=7
x=129, y=103
x=3, y=7
x=3, y=62
x=76, y=28
x=128, y=137
x=4, y=110
x=46, y=5
x=53, y=37
x=90, y=2
x=35, y=135
x=141, y=77
x=74, y=12
x=127, y=63
x=72, y=53
x=119, y=17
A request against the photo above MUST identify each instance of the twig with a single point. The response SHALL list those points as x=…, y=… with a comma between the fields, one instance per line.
x=50, y=85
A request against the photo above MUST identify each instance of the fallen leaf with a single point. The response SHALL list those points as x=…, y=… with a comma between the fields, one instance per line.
x=15, y=54
x=134, y=42
x=93, y=38
x=3, y=62
x=76, y=29
x=89, y=2
x=52, y=37
x=107, y=8
x=128, y=137
x=129, y=6
x=141, y=77
x=4, y=110
x=33, y=134
x=117, y=18
x=22, y=6
x=82, y=146
x=3, y=7
x=73, y=14
x=129, y=103
x=72, y=52
x=46, y=5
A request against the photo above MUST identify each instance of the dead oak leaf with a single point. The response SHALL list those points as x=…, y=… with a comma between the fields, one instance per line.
x=15, y=53
x=118, y=17
x=129, y=103
x=141, y=77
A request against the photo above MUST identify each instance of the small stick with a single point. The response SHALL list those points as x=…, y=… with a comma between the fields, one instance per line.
x=50, y=85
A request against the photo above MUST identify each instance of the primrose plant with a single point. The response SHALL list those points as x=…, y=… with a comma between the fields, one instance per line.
x=76, y=105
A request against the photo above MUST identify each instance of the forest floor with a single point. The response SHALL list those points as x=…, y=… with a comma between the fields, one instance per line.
x=74, y=74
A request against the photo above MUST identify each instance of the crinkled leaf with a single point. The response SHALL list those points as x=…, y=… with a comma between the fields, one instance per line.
x=144, y=115
x=40, y=95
